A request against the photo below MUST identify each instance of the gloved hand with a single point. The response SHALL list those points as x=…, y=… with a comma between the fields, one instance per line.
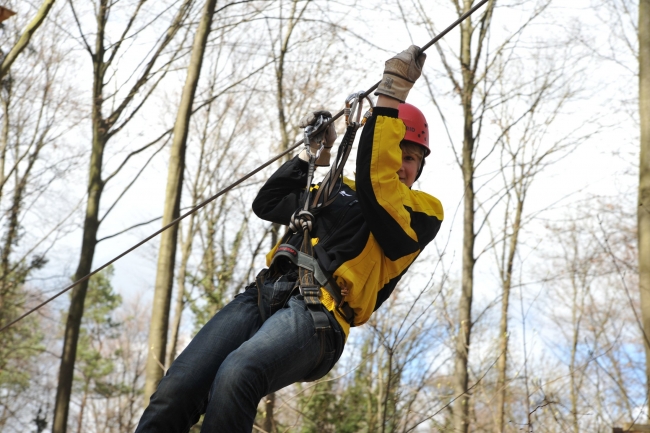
x=327, y=137
x=400, y=73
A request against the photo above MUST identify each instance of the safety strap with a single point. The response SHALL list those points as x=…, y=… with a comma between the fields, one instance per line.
x=303, y=219
x=325, y=194
x=259, y=282
x=309, y=272
x=307, y=262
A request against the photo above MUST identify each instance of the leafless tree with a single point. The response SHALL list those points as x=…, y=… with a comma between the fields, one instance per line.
x=589, y=321
x=37, y=109
x=527, y=147
x=123, y=102
x=644, y=177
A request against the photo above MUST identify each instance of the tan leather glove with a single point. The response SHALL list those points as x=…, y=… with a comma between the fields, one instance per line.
x=400, y=73
x=326, y=137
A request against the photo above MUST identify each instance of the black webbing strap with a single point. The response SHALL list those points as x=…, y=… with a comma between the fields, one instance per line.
x=308, y=262
x=325, y=193
x=259, y=282
x=309, y=290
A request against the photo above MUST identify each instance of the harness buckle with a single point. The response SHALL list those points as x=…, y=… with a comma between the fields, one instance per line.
x=310, y=293
x=311, y=296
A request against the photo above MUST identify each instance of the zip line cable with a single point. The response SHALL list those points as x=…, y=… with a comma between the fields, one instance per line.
x=237, y=182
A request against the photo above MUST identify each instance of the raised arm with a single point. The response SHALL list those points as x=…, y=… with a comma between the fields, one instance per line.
x=402, y=220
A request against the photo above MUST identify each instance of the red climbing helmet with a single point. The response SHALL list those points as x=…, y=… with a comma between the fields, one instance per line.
x=417, y=128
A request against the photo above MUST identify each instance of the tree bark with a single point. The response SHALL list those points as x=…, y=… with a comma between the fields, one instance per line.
x=469, y=61
x=461, y=405
x=180, y=303
x=4, y=142
x=4, y=138
x=82, y=407
x=73, y=323
x=90, y=228
x=269, y=417
x=575, y=340
x=31, y=28
x=186, y=250
x=168, y=241
x=502, y=363
x=643, y=210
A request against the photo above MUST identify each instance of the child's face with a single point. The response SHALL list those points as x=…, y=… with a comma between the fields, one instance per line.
x=410, y=165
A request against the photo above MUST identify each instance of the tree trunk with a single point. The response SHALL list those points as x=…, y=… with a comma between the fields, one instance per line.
x=468, y=64
x=210, y=283
x=502, y=363
x=90, y=228
x=167, y=252
x=12, y=234
x=89, y=242
x=643, y=211
x=389, y=376
x=572, y=363
x=82, y=407
x=269, y=419
x=182, y=273
x=186, y=250
x=101, y=133
x=4, y=139
x=31, y=28
x=461, y=405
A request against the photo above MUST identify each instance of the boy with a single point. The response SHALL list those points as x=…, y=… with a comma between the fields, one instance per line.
x=366, y=240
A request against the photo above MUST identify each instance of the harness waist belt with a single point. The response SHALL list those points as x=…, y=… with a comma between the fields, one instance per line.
x=308, y=262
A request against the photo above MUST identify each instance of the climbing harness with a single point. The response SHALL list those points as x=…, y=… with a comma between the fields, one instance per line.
x=311, y=277
x=329, y=182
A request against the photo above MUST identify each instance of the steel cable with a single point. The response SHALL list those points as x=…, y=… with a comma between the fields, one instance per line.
x=234, y=184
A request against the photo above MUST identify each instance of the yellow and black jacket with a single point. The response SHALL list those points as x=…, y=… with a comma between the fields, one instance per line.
x=369, y=236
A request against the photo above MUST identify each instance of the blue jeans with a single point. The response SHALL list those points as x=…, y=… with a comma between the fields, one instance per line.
x=235, y=360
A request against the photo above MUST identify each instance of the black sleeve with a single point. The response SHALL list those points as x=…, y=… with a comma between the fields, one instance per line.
x=281, y=195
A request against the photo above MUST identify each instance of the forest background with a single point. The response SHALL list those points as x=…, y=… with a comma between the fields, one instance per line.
x=524, y=315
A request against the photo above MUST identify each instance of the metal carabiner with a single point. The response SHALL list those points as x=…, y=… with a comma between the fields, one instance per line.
x=313, y=130
x=353, y=103
x=350, y=107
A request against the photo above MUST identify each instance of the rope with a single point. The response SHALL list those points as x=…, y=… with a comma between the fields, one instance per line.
x=237, y=182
